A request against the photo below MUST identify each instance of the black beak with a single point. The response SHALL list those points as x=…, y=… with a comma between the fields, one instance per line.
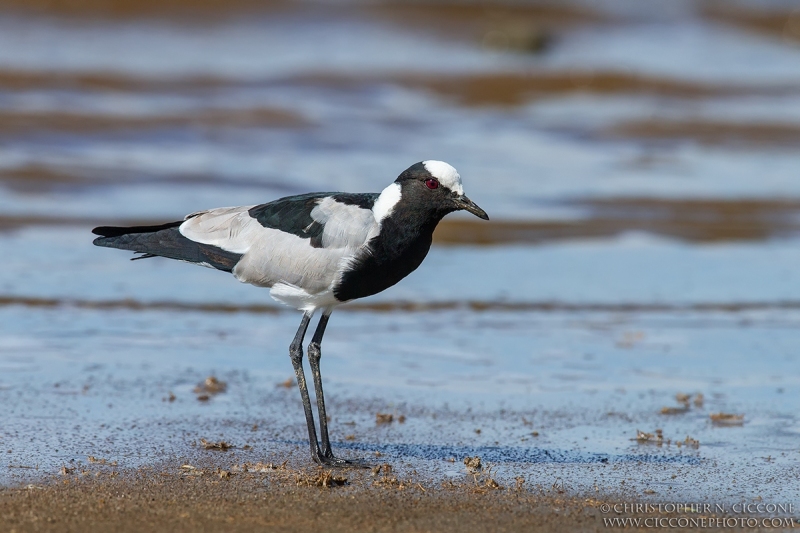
x=466, y=204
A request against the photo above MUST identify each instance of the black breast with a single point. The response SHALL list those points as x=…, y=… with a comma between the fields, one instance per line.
x=396, y=252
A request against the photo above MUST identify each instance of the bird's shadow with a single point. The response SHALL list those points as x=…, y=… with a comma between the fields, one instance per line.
x=513, y=454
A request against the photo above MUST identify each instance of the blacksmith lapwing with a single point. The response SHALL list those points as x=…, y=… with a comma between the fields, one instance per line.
x=313, y=251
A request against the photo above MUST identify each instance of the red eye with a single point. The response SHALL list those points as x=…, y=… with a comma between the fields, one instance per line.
x=432, y=183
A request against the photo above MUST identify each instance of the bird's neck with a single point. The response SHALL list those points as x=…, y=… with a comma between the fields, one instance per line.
x=393, y=254
x=403, y=232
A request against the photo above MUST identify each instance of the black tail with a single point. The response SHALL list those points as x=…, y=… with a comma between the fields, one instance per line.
x=165, y=241
x=114, y=231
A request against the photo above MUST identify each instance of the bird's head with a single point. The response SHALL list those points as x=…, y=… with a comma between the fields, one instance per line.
x=436, y=186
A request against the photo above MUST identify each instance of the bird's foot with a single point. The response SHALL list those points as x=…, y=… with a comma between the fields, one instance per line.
x=336, y=462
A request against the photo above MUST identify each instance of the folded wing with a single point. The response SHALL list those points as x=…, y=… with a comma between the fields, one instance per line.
x=298, y=241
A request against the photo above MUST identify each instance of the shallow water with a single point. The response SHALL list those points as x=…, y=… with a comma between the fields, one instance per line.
x=640, y=170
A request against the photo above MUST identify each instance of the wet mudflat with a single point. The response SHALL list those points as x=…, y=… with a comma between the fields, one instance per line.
x=625, y=329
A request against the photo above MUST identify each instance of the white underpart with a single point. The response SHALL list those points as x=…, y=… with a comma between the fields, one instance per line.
x=301, y=299
x=446, y=174
x=385, y=203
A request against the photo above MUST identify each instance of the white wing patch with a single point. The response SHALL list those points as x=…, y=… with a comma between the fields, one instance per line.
x=229, y=228
x=446, y=174
x=345, y=226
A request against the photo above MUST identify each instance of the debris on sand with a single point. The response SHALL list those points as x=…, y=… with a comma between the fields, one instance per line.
x=384, y=418
x=301, y=478
x=322, y=478
x=95, y=460
x=685, y=401
x=656, y=438
x=689, y=441
x=481, y=475
x=388, y=418
x=65, y=471
x=389, y=482
x=386, y=468
x=726, y=419
x=203, y=398
x=209, y=387
x=675, y=410
x=191, y=471
x=473, y=464
x=492, y=484
x=288, y=384
x=221, y=445
x=259, y=467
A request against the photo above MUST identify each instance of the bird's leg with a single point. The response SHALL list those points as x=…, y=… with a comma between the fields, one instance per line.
x=314, y=355
x=296, y=354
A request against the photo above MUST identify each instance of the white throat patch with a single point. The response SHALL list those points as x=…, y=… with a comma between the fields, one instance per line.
x=446, y=174
x=385, y=203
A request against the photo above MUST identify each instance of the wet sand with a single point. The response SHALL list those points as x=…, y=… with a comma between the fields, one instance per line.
x=479, y=89
x=166, y=499
x=175, y=499
x=14, y=123
x=504, y=89
x=711, y=133
x=474, y=306
x=212, y=490
x=783, y=24
x=125, y=8
x=515, y=89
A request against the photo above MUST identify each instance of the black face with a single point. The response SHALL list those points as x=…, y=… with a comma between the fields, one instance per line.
x=424, y=191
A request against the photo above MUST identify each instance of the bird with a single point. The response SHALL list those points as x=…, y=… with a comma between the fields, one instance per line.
x=313, y=252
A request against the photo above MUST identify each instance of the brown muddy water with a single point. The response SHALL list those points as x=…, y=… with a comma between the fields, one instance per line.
x=640, y=271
